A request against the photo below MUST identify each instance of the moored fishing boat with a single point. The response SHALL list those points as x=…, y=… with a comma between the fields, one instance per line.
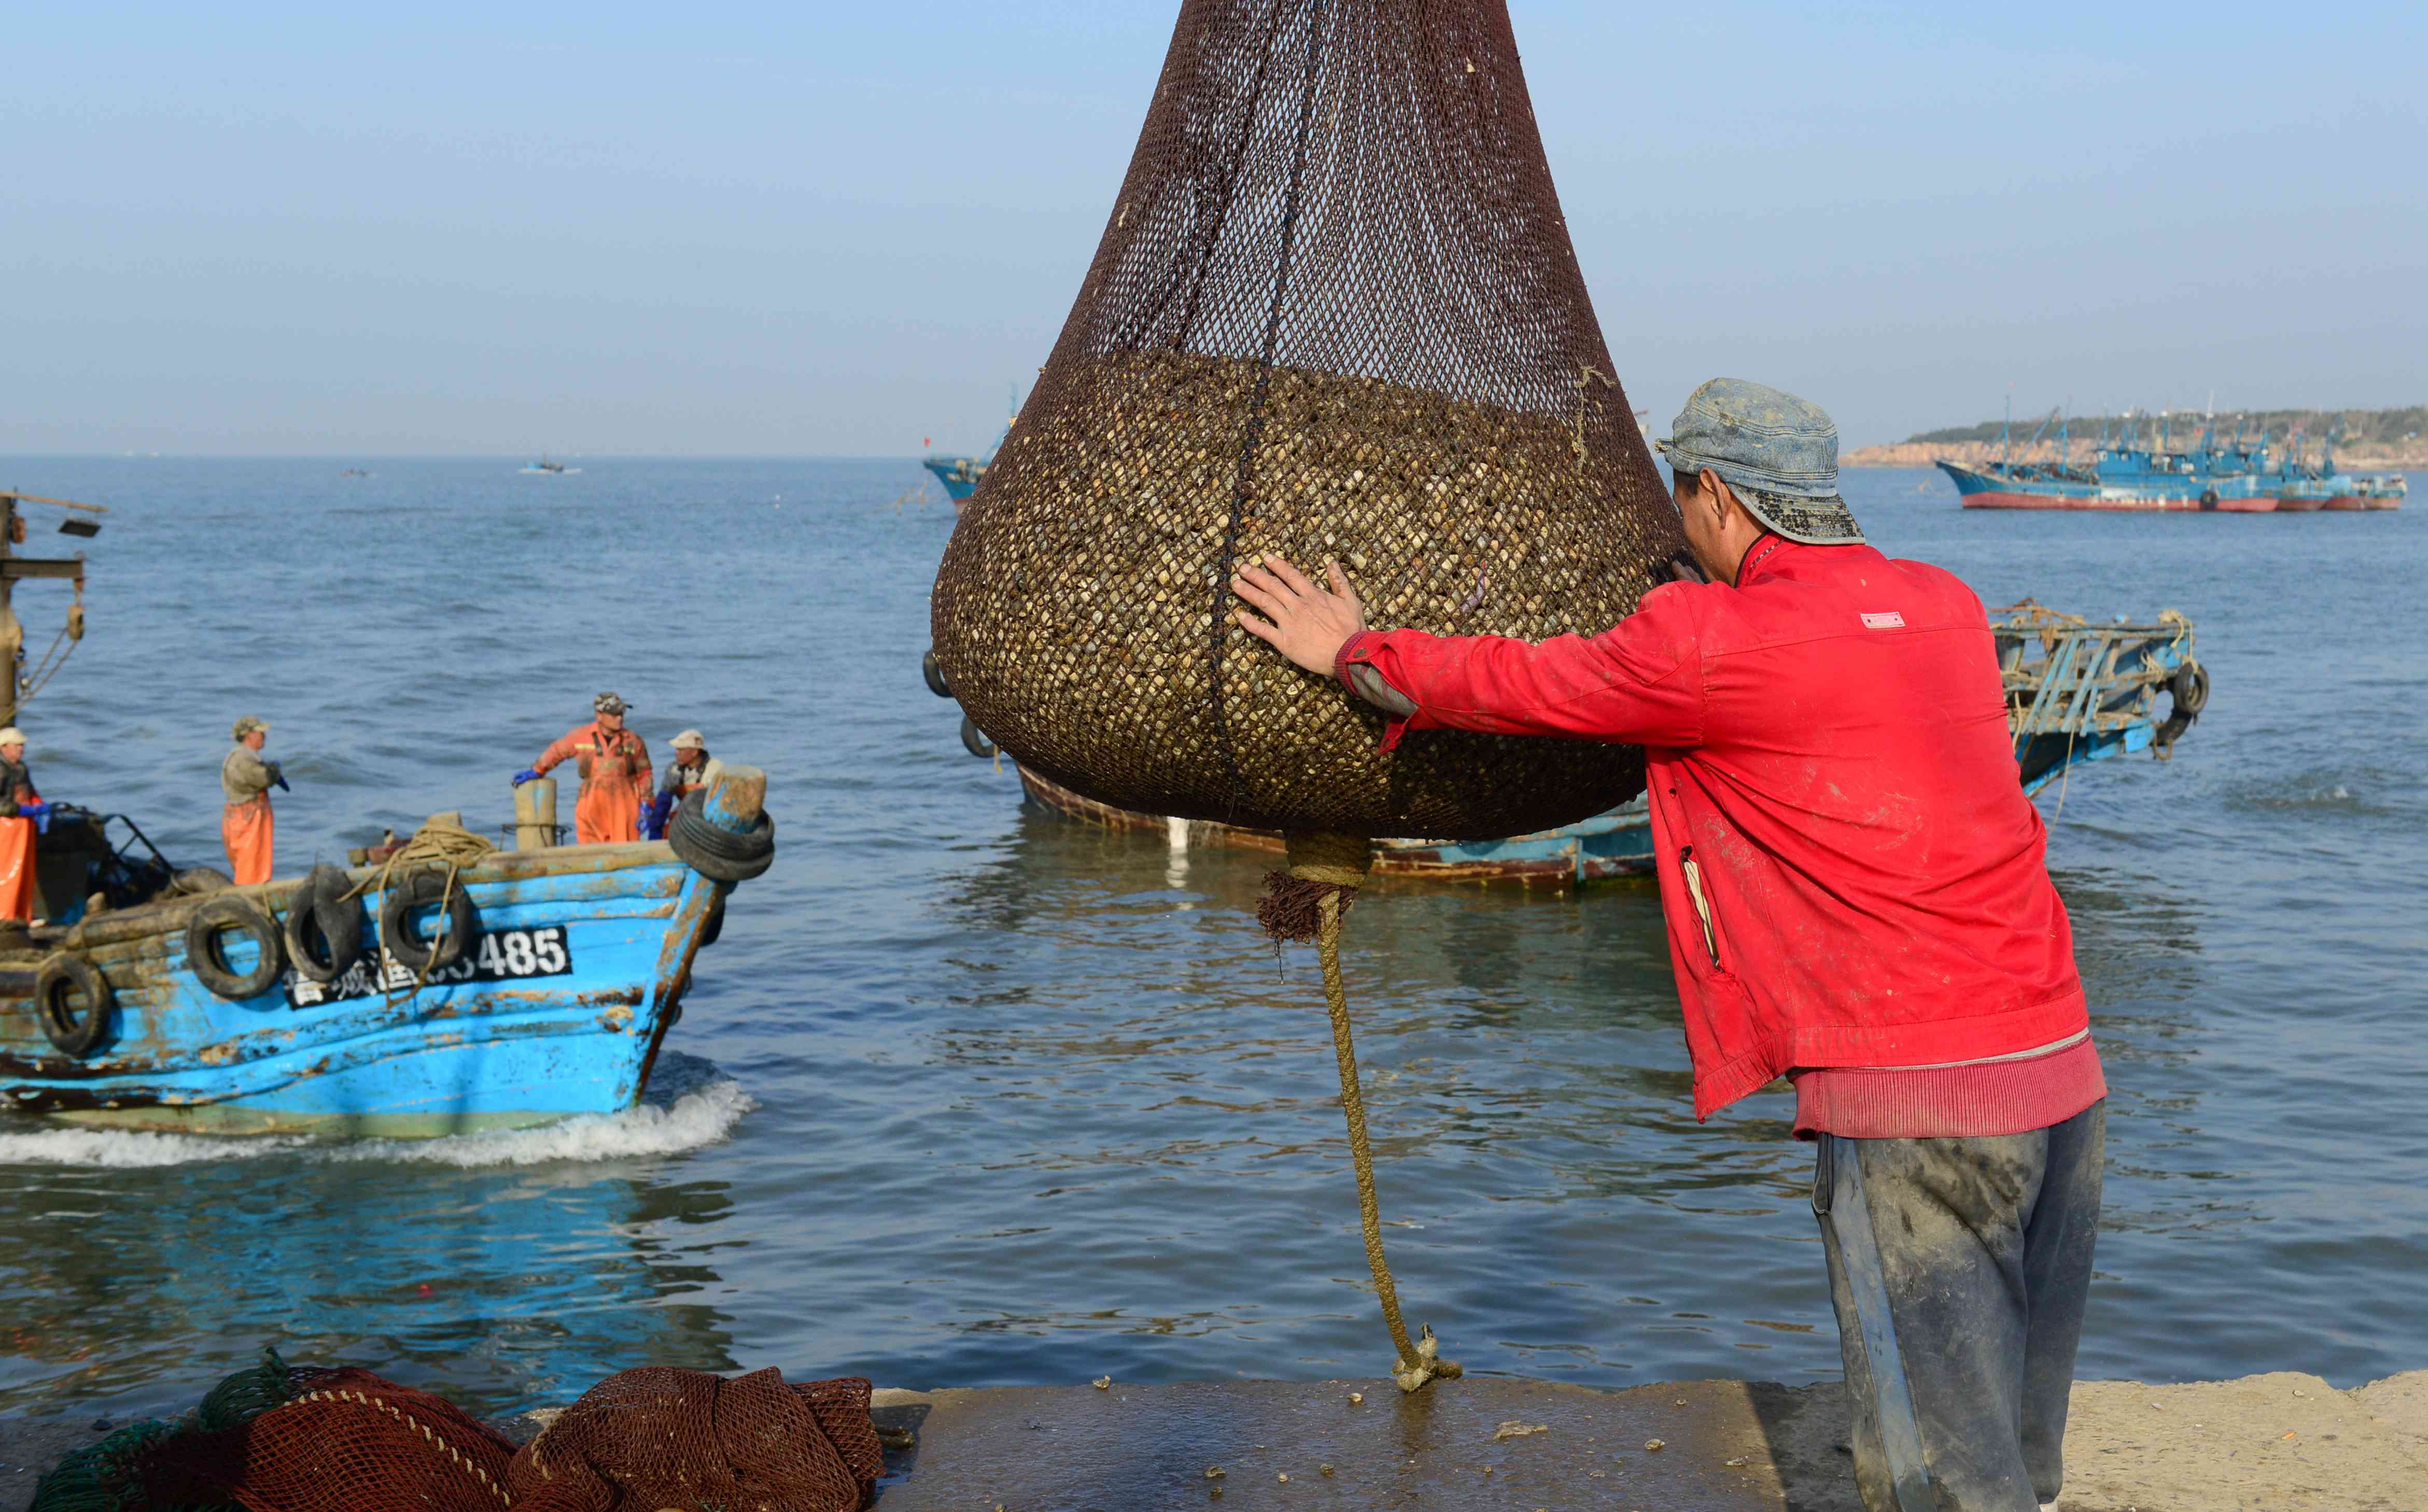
x=2385, y=490
x=2077, y=692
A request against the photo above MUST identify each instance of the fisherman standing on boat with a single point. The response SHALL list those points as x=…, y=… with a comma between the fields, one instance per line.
x=247, y=827
x=25, y=815
x=694, y=769
x=1857, y=898
x=614, y=767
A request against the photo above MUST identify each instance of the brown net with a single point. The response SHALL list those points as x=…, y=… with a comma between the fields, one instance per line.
x=1335, y=313
x=270, y=1440
x=665, y=1438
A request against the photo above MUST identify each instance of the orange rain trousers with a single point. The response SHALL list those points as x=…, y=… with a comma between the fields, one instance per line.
x=17, y=869
x=249, y=830
x=614, y=780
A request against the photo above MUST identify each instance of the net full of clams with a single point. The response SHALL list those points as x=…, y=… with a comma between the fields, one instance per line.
x=1335, y=314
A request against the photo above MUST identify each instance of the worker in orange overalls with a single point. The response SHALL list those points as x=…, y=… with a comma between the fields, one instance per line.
x=247, y=827
x=25, y=814
x=614, y=767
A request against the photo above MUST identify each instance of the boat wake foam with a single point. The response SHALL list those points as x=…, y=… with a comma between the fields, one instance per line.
x=701, y=1117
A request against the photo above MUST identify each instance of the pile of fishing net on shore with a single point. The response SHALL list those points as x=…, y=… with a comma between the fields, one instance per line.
x=272, y=1438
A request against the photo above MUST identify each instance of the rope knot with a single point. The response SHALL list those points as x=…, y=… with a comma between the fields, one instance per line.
x=1324, y=868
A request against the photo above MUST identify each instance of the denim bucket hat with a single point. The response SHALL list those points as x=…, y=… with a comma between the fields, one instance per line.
x=1777, y=454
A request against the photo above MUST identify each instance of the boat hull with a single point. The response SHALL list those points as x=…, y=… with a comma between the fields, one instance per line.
x=575, y=971
x=1616, y=845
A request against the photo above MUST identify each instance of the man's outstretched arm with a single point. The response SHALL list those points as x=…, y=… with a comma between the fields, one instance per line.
x=1638, y=683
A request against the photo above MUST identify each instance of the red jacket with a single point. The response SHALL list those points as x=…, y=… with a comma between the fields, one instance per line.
x=1851, y=872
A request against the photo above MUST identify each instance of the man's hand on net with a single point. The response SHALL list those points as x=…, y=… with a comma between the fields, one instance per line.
x=1303, y=621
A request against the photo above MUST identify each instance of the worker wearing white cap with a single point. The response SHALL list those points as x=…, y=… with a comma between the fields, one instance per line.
x=23, y=814
x=694, y=769
x=247, y=827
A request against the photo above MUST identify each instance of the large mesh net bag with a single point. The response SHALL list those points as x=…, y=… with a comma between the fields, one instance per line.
x=1335, y=313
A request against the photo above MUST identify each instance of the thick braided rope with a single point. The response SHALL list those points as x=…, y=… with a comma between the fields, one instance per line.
x=1416, y=1362
x=381, y=1403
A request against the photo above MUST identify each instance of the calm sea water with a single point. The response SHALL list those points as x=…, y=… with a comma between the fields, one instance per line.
x=970, y=1094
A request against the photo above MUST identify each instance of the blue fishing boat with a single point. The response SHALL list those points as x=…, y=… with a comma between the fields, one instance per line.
x=438, y=986
x=2077, y=692
x=441, y=991
x=959, y=474
x=2133, y=473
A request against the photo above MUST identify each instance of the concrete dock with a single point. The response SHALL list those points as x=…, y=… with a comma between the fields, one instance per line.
x=2281, y=1442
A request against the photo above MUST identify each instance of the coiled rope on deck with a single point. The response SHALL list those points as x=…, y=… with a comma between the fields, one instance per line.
x=1307, y=903
x=441, y=841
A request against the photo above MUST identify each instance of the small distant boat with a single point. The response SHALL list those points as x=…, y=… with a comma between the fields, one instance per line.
x=352, y=472
x=959, y=474
x=2077, y=692
x=545, y=465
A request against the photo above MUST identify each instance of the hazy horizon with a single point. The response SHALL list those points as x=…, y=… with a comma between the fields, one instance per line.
x=785, y=233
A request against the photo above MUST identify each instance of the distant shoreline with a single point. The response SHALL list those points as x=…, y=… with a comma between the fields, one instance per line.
x=1927, y=453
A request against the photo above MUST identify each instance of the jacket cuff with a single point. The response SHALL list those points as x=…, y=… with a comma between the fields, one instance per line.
x=1352, y=666
x=1349, y=652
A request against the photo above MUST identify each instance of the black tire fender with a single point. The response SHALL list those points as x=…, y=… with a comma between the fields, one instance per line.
x=720, y=854
x=975, y=741
x=64, y=973
x=224, y=912
x=933, y=671
x=324, y=926
x=2189, y=685
x=423, y=889
x=2209, y=498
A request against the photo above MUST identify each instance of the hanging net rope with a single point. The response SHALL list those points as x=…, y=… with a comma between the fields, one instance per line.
x=1335, y=313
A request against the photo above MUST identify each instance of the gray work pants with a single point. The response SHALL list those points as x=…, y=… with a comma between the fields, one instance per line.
x=1981, y=1250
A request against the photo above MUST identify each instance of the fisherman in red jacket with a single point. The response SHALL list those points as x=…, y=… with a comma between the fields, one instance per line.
x=1856, y=900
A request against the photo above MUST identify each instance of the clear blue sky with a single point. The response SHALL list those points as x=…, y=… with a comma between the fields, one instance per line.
x=839, y=228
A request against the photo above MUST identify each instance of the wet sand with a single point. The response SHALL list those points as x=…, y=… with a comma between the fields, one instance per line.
x=2276, y=1441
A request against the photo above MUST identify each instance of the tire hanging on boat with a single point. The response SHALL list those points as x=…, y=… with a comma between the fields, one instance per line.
x=427, y=889
x=213, y=921
x=325, y=925
x=1335, y=313
x=65, y=975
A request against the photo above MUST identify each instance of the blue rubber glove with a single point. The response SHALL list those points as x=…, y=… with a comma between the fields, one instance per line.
x=653, y=820
x=39, y=813
x=278, y=778
x=527, y=774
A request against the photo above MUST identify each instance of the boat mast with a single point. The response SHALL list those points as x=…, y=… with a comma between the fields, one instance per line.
x=15, y=569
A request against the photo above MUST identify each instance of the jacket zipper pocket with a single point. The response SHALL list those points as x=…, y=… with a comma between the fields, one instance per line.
x=1694, y=874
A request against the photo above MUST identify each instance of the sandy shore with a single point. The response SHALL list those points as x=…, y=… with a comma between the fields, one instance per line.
x=2282, y=1442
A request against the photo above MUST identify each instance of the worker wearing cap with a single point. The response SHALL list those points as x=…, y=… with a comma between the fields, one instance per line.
x=694, y=770
x=26, y=816
x=693, y=767
x=247, y=827
x=1857, y=898
x=614, y=767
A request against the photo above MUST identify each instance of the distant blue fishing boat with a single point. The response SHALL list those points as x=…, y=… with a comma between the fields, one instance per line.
x=2134, y=474
x=409, y=998
x=2077, y=692
x=960, y=475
